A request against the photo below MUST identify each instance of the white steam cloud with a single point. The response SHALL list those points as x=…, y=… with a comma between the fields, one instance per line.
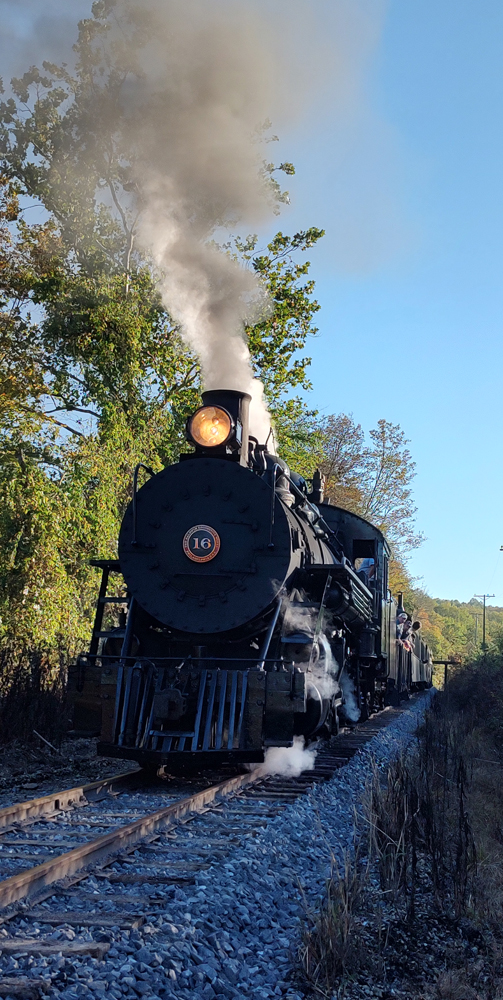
x=326, y=670
x=289, y=761
x=350, y=706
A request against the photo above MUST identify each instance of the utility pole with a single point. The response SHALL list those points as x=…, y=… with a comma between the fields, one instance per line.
x=476, y=615
x=483, y=597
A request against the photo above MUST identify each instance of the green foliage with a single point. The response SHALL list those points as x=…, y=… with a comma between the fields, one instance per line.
x=299, y=440
x=94, y=375
x=29, y=260
x=456, y=632
x=275, y=340
x=58, y=510
x=114, y=353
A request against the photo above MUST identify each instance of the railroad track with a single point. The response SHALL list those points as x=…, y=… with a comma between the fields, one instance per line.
x=82, y=865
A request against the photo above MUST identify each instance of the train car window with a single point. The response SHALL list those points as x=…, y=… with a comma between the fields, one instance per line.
x=363, y=548
x=365, y=567
x=364, y=559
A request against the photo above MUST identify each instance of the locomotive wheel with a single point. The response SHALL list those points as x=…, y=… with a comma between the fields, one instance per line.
x=330, y=727
x=334, y=722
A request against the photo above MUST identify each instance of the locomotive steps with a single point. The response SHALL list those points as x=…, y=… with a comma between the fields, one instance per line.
x=182, y=853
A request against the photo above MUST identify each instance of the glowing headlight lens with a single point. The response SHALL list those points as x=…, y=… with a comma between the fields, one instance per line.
x=210, y=426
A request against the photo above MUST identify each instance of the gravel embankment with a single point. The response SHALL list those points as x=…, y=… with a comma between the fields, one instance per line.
x=234, y=933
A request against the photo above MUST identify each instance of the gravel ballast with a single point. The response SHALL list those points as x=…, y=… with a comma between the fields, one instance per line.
x=234, y=933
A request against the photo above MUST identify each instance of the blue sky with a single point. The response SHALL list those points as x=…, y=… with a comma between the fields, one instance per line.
x=408, y=184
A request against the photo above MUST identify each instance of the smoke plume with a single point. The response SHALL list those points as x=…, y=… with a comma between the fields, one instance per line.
x=205, y=81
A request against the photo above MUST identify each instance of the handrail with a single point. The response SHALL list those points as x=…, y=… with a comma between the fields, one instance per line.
x=151, y=472
x=319, y=519
x=273, y=501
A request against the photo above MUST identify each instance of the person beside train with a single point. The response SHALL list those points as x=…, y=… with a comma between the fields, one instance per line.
x=400, y=622
x=406, y=629
x=366, y=568
x=408, y=634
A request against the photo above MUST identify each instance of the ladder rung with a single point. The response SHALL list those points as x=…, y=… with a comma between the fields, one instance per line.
x=119, y=634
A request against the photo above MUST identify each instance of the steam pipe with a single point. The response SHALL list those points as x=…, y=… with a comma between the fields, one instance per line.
x=270, y=630
x=273, y=502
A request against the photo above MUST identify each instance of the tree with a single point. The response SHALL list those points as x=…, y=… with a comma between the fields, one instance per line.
x=388, y=500
x=343, y=461
x=373, y=480
x=276, y=339
x=28, y=259
x=66, y=139
x=94, y=375
x=74, y=345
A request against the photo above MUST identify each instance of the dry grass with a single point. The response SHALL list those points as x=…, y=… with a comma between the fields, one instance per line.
x=475, y=695
x=453, y=986
x=433, y=831
x=331, y=944
x=32, y=696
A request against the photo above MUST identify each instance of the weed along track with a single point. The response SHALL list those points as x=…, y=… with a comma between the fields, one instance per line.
x=97, y=869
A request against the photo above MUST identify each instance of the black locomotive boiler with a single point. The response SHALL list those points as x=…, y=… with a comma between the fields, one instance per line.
x=253, y=612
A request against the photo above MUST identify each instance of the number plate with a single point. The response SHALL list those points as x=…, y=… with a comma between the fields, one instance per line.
x=201, y=543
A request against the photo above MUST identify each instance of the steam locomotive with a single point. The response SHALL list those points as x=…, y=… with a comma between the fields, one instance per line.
x=251, y=611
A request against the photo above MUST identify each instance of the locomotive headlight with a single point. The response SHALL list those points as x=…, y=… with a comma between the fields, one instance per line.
x=210, y=426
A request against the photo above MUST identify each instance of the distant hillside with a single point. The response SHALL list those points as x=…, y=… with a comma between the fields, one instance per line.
x=452, y=628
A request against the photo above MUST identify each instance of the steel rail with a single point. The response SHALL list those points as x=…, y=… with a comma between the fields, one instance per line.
x=28, y=883
x=47, y=805
x=104, y=849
